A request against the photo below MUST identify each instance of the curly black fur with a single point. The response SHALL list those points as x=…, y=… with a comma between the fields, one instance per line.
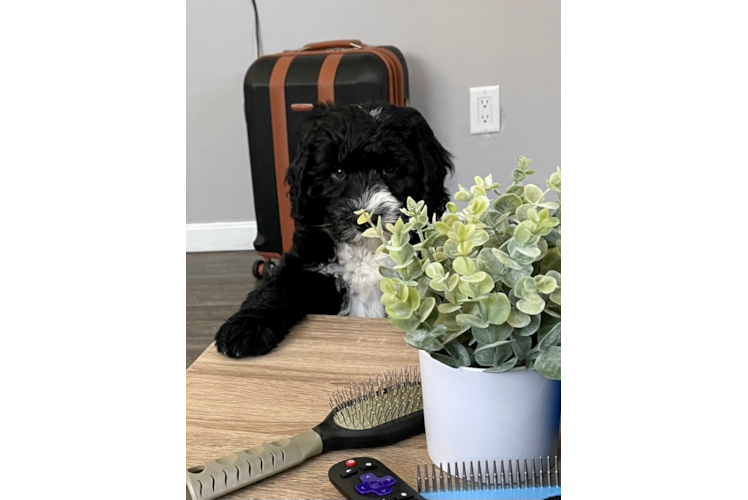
x=379, y=148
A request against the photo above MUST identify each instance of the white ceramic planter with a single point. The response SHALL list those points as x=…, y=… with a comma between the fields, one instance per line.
x=472, y=415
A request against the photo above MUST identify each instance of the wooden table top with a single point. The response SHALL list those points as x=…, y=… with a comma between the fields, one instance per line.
x=234, y=404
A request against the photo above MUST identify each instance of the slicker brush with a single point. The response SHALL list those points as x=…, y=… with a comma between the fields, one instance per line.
x=533, y=478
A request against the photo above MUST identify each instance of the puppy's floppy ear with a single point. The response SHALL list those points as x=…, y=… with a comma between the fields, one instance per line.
x=299, y=171
x=436, y=162
x=295, y=177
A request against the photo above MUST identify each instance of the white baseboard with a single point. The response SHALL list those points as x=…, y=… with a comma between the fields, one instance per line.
x=221, y=236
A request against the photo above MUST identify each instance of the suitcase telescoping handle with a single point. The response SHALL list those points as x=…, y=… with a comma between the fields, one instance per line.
x=334, y=44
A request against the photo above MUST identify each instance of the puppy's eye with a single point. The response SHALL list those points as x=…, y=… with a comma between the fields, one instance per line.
x=390, y=169
x=339, y=173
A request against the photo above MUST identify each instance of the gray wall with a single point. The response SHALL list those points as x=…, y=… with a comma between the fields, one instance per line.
x=449, y=46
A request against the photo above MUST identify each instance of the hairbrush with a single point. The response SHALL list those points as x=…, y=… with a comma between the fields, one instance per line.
x=541, y=479
x=364, y=414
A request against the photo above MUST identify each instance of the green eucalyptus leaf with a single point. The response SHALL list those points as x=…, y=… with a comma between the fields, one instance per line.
x=454, y=280
x=371, y=233
x=517, y=189
x=551, y=261
x=550, y=312
x=427, y=243
x=464, y=265
x=555, y=297
x=479, y=237
x=529, y=329
x=485, y=285
x=453, y=335
x=485, y=358
x=503, y=367
x=413, y=299
x=476, y=277
x=553, y=237
x=507, y=203
x=493, y=356
x=550, y=204
x=505, y=259
x=545, y=284
x=404, y=265
x=495, y=344
x=458, y=352
x=399, y=310
x=381, y=252
x=424, y=310
x=448, y=308
x=473, y=309
x=449, y=320
x=549, y=223
x=492, y=333
x=523, y=162
x=412, y=270
x=497, y=308
x=524, y=234
x=488, y=263
x=438, y=285
x=517, y=175
x=521, y=346
x=556, y=276
x=533, y=193
x=543, y=247
x=406, y=325
x=387, y=285
x=511, y=278
x=496, y=220
x=470, y=320
x=422, y=286
x=522, y=212
x=548, y=363
x=518, y=319
x=430, y=321
x=452, y=249
x=388, y=273
x=551, y=338
x=533, y=306
x=527, y=253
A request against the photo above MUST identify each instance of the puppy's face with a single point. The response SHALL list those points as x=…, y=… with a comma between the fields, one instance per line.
x=371, y=157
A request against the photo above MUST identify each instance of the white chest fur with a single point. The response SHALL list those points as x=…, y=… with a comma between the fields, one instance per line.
x=359, y=273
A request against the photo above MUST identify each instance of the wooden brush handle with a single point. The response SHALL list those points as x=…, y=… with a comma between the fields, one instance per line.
x=224, y=475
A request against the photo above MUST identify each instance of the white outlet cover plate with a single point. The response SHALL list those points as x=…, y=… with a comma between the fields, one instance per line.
x=476, y=126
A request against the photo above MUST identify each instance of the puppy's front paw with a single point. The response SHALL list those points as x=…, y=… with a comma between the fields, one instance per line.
x=242, y=337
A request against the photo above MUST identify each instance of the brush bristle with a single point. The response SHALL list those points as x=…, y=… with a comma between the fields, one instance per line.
x=529, y=477
x=372, y=402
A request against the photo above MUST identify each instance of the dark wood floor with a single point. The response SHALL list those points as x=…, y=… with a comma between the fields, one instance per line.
x=217, y=282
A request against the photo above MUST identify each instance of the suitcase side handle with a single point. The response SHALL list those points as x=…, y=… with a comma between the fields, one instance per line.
x=333, y=44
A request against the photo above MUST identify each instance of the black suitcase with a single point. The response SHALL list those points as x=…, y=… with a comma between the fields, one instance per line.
x=279, y=90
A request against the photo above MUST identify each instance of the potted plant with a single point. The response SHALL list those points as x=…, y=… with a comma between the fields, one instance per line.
x=478, y=292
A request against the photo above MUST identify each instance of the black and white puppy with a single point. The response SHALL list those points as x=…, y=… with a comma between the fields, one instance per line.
x=373, y=157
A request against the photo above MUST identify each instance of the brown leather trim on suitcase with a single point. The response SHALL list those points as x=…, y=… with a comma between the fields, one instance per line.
x=397, y=75
x=280, y=146
x=302, y=107
x=394, y=67
x=326, y=80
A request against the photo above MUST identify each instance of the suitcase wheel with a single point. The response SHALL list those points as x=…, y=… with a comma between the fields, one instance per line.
x=263, y=269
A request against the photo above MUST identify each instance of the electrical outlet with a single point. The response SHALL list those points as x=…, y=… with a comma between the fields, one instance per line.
x=484, y=110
